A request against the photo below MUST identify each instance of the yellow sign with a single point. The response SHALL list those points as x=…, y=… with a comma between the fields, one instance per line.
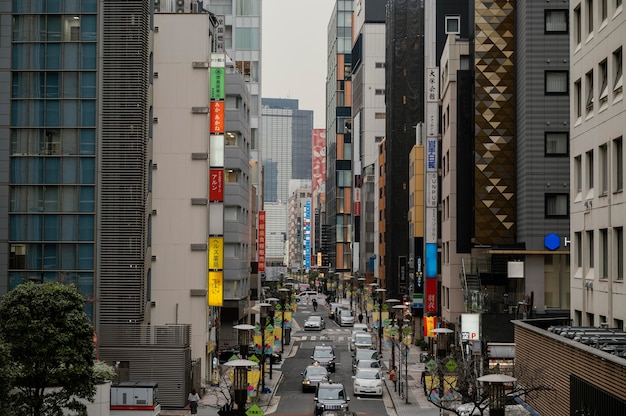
x=216, y=253
x=215, y=289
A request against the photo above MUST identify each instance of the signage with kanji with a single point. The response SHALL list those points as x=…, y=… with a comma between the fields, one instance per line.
x=254, y=410
x=215, y=289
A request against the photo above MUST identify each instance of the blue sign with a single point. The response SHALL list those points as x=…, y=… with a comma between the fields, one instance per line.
x=431, y=260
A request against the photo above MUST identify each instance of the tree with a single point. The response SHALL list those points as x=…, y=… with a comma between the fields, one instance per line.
x=49, y=341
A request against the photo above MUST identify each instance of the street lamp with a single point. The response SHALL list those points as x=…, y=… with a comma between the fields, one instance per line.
x=240, y=382
x=283, y=293
x=402, y=386
x=380, y=292
x=243, y=336
x=497, y=392
x=265, y=310
x=393, y=343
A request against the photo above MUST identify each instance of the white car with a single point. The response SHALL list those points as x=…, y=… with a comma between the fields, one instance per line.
x=345, y=317
x=357, y=329
x=366, y=365
x=367, y=381
x=363, y=340
x=314, y=323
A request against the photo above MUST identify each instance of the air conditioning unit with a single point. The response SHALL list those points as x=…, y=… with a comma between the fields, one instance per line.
x=183, y=6
x=157, y=5
x=156, y=75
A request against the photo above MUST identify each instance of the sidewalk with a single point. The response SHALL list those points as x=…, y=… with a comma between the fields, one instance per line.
x=216, y=396
x=416, y=403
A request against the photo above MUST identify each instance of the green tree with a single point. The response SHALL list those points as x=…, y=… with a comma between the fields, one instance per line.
x=49, y=340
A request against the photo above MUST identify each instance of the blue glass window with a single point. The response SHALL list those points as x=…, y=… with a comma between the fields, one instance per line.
x=71, y=55
x=54, y=6
x=54, y=28
x=33, y=256
x=51, y=199
x=50, y=228
x=88, y=85
x=88, y=26
x=52, y=58
x=70, y=170
x=88, y=113
x=50, y=257
x=85, y=228
x=90, y=5
x=52, y=170
x=70, y=113
x=68, y=256
x=71, y=6
x=89, y=56
x=68, y=228
x=85, y=202
x=52, y=113
x=70, y=85
x=27, y=113
x=87, y=142
x=52, y=84
x=87, y=171
x=85, y=256
x=35, y=170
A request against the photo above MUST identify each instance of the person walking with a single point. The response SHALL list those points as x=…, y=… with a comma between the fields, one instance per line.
x=193, y=398
x=314, y=304
x=392, y=376
x=360, y=317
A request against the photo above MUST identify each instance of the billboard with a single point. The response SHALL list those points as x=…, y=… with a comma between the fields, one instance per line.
x=318, y=170
x=261, y=242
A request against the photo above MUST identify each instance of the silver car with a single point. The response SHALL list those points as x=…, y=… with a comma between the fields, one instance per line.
x=312, y=375
x=314, y=323
x=346, y=318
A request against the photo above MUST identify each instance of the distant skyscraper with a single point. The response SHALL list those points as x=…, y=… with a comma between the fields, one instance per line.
x=287, y=150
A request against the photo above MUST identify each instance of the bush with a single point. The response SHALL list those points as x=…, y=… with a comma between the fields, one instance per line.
x=103, y=372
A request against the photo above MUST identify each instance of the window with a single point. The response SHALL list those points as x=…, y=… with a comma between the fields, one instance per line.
x=557, y=205
x=617, y=71
x=453, y=25
x=578, y=240
x=589, y=162
x=578, y=173
x=604, y=10
x=604, y=81
x=618, y=4
x=577, y=25
x=604, y=253
x=589, y=5
x=379, y=116
x=589, y=85
x=579, y=98
x=590, y=253
x=618, y=162
x=619, y=252
x=604, y=169
x=556, y=82
x=380, y=65
x=231, y=176
x=557, y=143
x=556, y=21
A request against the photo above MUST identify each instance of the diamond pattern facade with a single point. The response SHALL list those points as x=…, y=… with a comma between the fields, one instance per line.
x=494, y=142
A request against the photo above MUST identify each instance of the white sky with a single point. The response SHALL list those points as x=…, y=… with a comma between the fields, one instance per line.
x=294, y=47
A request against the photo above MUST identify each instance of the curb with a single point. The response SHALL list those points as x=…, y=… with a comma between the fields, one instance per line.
x=266, y=406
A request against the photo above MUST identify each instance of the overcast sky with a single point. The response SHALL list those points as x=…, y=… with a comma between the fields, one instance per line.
x=294, y=47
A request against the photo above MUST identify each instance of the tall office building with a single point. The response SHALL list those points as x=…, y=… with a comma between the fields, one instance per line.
x=287, y=152
x=597, y=200
x=339, y=146
x=368, y=128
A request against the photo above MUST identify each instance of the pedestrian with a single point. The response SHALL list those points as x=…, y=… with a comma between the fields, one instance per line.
x=360, y=317
x=392, y=376
x=314, y=304
x=193, y=400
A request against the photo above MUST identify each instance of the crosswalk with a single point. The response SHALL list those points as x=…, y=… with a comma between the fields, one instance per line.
x=334, y=334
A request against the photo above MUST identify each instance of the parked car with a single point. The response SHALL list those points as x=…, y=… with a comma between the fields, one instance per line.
x=324, y=355
x=330, y=396
x=366, y=364
x=314, y=323
x=312, y=375
x=367, y=382
x=346, y=318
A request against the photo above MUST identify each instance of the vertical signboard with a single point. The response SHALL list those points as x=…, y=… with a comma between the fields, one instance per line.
x=307, y=235
x=261, y=247
x=215, y=261
x=430, y=304
x=319, y=159
x=431, y=189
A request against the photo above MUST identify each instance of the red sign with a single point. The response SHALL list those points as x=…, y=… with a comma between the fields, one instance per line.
x=217, y=117
x=430, y=301
x=261, y=242
x=216, y=185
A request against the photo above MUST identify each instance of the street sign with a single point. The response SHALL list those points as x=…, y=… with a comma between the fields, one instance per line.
x=254, y=410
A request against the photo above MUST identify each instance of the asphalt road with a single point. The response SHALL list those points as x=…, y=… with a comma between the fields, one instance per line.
x=291, y=399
